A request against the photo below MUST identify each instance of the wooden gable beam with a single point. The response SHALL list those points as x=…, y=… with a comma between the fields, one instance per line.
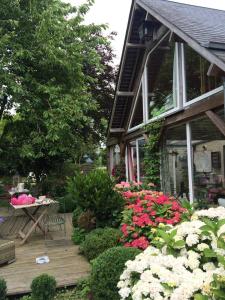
x=217, y=121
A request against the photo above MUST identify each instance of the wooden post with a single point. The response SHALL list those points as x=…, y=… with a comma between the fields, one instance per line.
x=217, y=121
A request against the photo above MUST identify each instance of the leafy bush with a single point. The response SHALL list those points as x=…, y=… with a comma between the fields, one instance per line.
x=106, y=271
x=98, y=241
x=3, y=289
x=43, y=287
x=86, y=221
x=66, y=204
x=80, y=292
x=76, y=213
x=78, y=236
x=95, y=192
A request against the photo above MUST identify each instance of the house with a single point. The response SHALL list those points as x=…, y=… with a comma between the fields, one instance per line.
x=173, y=69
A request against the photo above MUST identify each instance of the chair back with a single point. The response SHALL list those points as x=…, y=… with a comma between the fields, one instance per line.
x=53, y=208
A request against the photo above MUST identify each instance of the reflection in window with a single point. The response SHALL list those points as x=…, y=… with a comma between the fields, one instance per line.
x=141, y=144
x=174, y=162
x=198, y=82
x=136, y=160
x=137, y=118
x=162, y=84
x=209, y=161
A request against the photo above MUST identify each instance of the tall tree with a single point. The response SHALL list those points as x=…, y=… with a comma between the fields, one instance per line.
x=46, y=53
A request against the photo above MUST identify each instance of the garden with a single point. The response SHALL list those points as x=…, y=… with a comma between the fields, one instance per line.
x=141, y=244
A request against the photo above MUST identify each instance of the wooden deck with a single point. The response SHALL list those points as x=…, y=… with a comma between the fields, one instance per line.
x=66, y=265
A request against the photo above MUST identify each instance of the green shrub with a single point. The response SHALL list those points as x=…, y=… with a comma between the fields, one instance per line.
x=99, y=240
x=78, y=236
x=106, y=271
x=76, y=213
x=3, y=289
x=66, y=204
x=95, y=192
x=43, y=287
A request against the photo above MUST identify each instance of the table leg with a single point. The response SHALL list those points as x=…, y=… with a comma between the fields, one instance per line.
x=28, y=221
x=36, y=223
x=31, y=216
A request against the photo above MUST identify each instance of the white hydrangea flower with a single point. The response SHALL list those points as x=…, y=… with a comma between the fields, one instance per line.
x=209, y=266
x=192, y=239
x=201, y=247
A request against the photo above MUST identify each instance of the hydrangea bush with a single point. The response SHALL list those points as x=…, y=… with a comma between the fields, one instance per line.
x=145, y=210
x=187, y=262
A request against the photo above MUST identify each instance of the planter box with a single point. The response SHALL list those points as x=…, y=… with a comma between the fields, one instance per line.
x=7, y=251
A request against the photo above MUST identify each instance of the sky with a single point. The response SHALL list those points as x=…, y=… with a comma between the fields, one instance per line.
x=115, y=13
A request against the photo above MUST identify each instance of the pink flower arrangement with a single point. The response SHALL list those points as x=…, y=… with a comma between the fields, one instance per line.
x=144, y=211
x=22, y=200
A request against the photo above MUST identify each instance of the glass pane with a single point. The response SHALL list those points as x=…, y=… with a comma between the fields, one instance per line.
x=138, y=112
x=132, y=161
x=209, y=161
x=174, y=162
x=162, y=79
x=198, y=82
x=141, y=144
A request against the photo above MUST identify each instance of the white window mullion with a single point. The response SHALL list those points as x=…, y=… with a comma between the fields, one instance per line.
x=190, y=162
x=145, y=95
x=126, y=165
x=138, y=160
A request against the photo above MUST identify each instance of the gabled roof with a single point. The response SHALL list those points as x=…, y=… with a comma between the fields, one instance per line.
x=203, y=25
x=202, y=28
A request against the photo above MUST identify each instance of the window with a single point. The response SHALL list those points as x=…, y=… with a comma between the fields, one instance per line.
x=135, y=160
x=174, y=162
x=137, y=117
x=209, y=161
x=197, y=80
x=162, y=79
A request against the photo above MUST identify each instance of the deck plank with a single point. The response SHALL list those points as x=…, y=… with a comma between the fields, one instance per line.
x=66, y=265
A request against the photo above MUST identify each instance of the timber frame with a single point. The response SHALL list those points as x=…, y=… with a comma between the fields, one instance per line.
x=132, y=72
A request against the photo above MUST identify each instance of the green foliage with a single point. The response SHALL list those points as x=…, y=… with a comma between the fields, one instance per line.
x=99, y=240
x=3, y=289
x=106, y=271
x=95, y=192
x=78, y=235
x=52, y=71
x=152, y=152
x=76, y=213
x=66, y=204
x=80, y=292
x=218, y=287
x=43, y=287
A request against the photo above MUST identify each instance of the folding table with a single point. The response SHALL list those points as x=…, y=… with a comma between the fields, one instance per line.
x=33, y=217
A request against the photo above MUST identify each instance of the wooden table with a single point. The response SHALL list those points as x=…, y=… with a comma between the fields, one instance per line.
x=32, y=217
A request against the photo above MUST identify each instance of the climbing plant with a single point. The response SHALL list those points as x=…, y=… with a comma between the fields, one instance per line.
x=152, y=152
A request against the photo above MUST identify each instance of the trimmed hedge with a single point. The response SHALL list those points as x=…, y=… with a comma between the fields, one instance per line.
x=99, y=240
x=3, y=289
x=43, y=287
x=106, y=271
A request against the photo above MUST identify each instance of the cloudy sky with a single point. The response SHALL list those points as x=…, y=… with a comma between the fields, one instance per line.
x=115, y=13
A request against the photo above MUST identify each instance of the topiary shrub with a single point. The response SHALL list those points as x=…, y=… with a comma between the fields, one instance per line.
x=43, y=287
x=78, y=236
x=106, y=271
x=95, y=192
x=3, y=289
x=99, y=240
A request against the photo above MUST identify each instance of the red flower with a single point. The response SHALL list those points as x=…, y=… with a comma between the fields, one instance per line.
x=175, y=206
x=124, y=230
